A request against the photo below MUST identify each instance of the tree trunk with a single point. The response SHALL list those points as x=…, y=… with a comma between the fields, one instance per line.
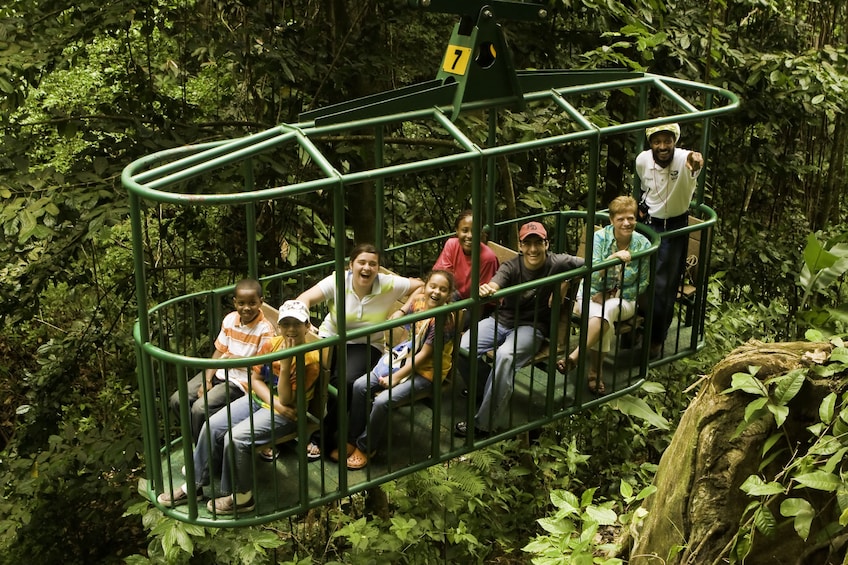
x=507, y=193
x=828, y=209
x=698, y=506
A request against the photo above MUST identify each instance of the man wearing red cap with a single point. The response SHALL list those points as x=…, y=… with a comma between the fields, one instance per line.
x=668, y=176
x=518, y=327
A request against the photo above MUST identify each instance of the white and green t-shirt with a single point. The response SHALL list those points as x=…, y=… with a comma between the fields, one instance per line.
x=360, y=313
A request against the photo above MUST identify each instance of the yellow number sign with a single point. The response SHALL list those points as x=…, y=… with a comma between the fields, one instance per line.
x=456, y=59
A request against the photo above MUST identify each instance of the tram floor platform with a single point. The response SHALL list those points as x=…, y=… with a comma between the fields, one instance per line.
x=408, y=442
x=410, y=439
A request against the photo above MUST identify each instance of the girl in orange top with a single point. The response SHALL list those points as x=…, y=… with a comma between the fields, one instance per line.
x=411, y=380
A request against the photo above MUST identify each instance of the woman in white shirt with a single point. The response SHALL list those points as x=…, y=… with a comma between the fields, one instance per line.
x=369, y=298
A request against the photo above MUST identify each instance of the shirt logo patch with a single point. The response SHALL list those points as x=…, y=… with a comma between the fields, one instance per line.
x=674, y=174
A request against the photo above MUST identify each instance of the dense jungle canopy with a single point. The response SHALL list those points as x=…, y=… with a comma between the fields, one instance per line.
x=88, y=87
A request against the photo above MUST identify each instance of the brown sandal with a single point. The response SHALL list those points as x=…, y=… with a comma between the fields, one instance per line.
x=334, y=454
x=596, y=385
x=566, y=365
x=358, y=459
x=313, y=452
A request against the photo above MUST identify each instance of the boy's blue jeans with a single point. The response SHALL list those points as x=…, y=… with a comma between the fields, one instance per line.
x=216, y=398
x=376, y=422
x=222, y=448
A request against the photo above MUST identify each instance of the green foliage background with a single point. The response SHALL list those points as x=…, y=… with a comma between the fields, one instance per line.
x=87, y=87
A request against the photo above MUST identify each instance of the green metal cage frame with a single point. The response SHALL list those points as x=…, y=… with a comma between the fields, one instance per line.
x=157, y=177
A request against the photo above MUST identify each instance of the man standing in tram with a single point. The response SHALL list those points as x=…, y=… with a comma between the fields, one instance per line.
x=668, y=175
x=518, y=327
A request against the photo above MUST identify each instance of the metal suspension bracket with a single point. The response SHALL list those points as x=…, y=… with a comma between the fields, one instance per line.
x=478, y=58
x=477, y=66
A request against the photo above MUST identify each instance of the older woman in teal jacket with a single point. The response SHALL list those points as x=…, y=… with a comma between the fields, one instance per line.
x=614, y=291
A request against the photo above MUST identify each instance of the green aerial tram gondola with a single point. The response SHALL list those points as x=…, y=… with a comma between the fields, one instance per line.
x=476, y=78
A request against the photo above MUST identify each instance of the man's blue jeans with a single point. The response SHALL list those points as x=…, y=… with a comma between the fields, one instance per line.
x=515, y=347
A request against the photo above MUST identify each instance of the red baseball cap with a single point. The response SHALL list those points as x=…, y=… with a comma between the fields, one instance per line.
x=532, y=228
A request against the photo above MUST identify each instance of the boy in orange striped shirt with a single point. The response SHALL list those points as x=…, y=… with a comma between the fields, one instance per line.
x=242, y=333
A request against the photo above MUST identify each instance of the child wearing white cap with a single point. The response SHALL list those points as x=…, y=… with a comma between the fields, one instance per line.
x=256, y=419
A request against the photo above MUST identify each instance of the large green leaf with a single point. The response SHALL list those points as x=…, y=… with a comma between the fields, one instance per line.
x=653, y=387
x=803, y=513
x=747, y=382
x=826, y=408
x=556, y=526
x=638, y=408
x=835, y=460
x=839, y=355
x=755, y=486
x=566, y=501
x=754, y=408
x=788, y=385
x=819, y=480
x=822, y=268
x=764, y=521
x=602, y=516
x=780, y=413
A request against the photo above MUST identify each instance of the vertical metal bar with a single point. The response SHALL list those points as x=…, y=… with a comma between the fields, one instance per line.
x=491, y=176
x=341, y=316
x=185, y=443
x=705, y=152
x=436, y=385
x=476, y=309
x=379, y=186
x=700, y=299
x=594, y=167
x=640, y=139
x=144, y=371
x=556, y=313
x=250, y=220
